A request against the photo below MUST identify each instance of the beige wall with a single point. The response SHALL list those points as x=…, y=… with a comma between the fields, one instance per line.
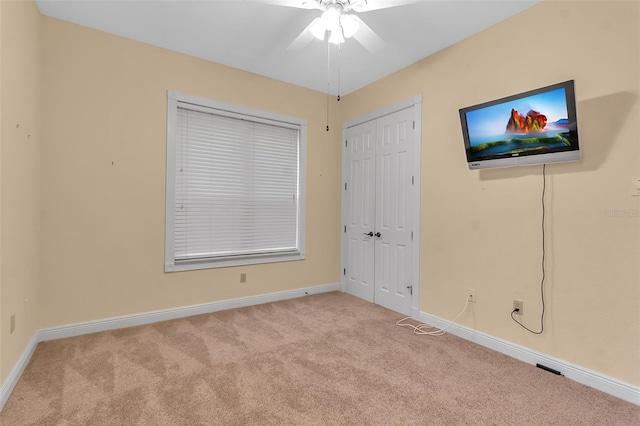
x=97, y=180
x=2, y=323
x=103, y=224
x=481, y=229
x=20, y=142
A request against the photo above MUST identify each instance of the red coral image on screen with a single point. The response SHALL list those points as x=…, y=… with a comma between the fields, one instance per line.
x=532, y=122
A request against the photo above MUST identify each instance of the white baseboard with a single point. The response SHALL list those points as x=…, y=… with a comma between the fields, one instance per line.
x=89, y=327
x=17, y=370
x=576, y=373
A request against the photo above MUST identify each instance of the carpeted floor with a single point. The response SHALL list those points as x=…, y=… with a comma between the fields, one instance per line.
x=317, y=360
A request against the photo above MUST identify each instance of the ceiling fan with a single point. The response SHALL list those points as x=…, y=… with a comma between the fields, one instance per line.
x=339, y=20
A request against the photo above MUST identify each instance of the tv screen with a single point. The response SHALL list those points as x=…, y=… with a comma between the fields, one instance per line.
x=534, y=127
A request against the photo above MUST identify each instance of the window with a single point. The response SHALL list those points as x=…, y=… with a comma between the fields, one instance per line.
x=235, y=185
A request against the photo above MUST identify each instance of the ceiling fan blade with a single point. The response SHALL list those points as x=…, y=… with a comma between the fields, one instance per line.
x=367, y=37
x=369, y=5
x=303, y=39
x=300, y=4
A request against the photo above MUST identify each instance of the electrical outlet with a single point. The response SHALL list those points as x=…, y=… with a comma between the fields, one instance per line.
x=635, y=186
x=471, y=295
x=519, y=305
x=243, y=278
x=13, y=324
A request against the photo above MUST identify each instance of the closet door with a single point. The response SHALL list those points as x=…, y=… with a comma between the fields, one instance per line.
x=378, y=210
x=394, y=209
x=360, y=209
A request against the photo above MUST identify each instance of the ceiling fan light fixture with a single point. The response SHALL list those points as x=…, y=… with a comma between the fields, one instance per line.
x=334, y=20
x=331, y=18
x=336, y=36
x=318, y=29
x=350, y=25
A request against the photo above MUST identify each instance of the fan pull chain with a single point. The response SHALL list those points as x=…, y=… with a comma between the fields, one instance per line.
x=328, y=80
x=339, y=70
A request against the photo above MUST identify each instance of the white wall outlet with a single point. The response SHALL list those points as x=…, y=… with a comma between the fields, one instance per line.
x=243, y=278
x=471, y=295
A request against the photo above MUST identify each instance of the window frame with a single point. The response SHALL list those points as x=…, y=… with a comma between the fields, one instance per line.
x=174, y=100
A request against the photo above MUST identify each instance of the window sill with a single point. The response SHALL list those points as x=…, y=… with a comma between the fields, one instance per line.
x=225, y=262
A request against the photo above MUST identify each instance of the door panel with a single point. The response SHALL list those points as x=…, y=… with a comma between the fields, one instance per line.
x=393, y=198
x=361, y=207
x=378, y=175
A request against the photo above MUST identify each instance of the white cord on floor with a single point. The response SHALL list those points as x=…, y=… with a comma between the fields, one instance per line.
x=419, y=329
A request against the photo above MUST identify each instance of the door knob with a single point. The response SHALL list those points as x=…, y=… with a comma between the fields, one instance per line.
x=370, y=234
x=378, y=235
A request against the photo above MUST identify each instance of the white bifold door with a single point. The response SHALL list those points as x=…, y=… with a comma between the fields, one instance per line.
x=378, y=209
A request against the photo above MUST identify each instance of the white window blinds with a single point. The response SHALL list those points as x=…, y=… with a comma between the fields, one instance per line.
x=236, y=186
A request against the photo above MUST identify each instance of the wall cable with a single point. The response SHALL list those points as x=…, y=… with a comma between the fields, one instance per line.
x=544, y=190
x=420, y=328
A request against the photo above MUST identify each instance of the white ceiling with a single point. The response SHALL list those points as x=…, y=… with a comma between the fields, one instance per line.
x=253, y=35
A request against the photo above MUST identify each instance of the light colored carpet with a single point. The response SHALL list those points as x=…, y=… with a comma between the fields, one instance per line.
x=317, y=360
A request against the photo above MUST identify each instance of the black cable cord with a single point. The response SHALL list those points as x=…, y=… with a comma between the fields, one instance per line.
x=544, y=190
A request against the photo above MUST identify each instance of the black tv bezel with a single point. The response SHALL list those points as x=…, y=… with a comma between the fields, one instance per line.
x=571, y=153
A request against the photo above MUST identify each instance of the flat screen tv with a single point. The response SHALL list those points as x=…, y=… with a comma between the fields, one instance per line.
x=534, y=127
